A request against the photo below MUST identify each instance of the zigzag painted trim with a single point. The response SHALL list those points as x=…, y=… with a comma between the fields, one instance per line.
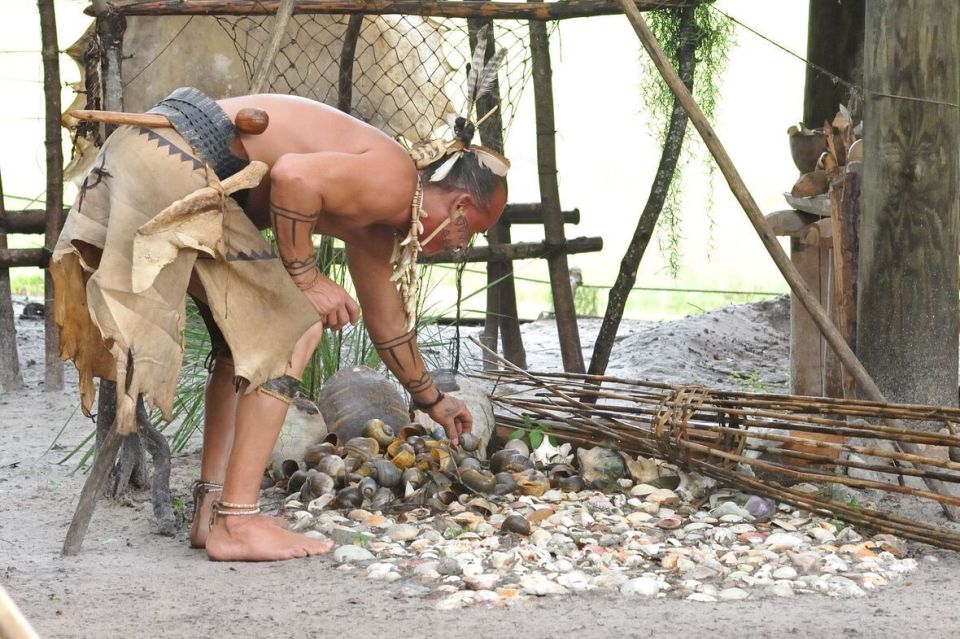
x=253, y=256
x=172, y=148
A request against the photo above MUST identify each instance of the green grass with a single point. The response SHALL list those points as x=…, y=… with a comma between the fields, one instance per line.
x=26, y=282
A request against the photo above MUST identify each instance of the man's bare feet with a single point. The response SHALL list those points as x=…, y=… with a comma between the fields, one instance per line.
x=200, y=528
x=256, y=538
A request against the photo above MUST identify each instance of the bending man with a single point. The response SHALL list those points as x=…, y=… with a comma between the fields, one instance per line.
x=122, y=269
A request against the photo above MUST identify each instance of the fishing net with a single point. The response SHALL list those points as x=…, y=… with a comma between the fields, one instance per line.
x=408, y=73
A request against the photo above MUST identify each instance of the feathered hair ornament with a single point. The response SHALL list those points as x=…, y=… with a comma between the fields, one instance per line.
x=480, y=79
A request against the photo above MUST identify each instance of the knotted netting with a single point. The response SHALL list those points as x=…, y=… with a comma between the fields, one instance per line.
x=408, y=72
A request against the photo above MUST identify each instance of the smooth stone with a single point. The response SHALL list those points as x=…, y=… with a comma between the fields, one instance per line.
x=641, y=586
x=779, y=542
x=701, y=597
x=784, y=572
x=402, y=532
x=781, y=590
x=844, y=587
x=449, y=566
x=538, y=584
x=351, y=554
x=733, y=594
x=575, y=580
x=482, y=581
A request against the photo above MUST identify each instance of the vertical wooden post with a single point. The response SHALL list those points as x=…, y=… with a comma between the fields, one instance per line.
x=348, y=54
x=835, y=35
x=10, y=378
x=110, y=29
x=845, y=218
x=907, y=324
x=53, y=367
x=806, y=350
x=566, y=314
x=501, y=316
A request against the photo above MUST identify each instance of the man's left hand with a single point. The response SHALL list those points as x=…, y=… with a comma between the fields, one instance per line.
x=454, y=416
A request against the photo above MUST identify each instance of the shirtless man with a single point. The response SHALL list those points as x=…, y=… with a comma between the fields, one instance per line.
x=335, y=175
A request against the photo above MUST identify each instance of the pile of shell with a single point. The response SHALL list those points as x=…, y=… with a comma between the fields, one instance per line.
x=468, y=531
x=645, y=542
x=383, y=469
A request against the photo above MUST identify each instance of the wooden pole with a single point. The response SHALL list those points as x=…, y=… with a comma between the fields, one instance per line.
x=566, y=314
x=265, y=65
x=102, y=464
x=845, y=215
x=666, y=171
x=13, y=258
x=13, y=625
x=519, y=251
x=444, y=9
x=110, y=29
x=53, y=366
x=10, y=378
x=767, y=237
x=907, y=326
x=835, y=32
x=501, y=318
x=348, y=54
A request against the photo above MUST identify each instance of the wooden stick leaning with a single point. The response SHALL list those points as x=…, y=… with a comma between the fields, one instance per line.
x=767, y=236
x=259, y=80
x=13, y=624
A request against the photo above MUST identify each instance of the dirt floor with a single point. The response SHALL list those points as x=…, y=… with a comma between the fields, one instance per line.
x=129, y=581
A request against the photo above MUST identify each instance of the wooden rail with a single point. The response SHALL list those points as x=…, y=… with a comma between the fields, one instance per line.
x=559, y=10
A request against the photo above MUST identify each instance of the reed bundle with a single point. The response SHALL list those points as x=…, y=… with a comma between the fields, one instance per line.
x=761, y=443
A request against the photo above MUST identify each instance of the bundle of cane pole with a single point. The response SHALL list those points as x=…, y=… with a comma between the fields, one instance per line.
x=763, y=444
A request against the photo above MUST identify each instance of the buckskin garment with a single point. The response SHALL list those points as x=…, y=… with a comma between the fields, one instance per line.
x=121, y=271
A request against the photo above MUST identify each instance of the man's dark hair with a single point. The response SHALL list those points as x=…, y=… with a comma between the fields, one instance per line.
x=466, y=175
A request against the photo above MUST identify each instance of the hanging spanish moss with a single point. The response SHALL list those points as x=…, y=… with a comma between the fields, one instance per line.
x=714, y=35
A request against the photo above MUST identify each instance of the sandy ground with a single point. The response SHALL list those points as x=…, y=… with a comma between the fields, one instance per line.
x=129, y=581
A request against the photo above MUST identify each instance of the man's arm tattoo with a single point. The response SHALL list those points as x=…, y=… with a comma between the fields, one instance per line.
x=287, y=224
x=424, y=382
x=394, y=348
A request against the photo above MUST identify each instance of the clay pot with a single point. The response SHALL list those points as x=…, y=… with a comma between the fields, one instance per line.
x=354, y=396
x=806, y=148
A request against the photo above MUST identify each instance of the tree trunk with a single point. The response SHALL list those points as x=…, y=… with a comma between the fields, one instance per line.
x=10, y=378
x=672, y=145
x=907, y=313
x=835, y=35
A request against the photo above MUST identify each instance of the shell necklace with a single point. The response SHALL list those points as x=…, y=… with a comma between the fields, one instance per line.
x=406, y=271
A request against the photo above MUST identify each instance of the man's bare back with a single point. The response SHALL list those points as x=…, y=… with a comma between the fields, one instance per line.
x=343, y=150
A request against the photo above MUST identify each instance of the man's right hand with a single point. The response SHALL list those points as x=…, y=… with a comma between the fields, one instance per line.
x=333, y=304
